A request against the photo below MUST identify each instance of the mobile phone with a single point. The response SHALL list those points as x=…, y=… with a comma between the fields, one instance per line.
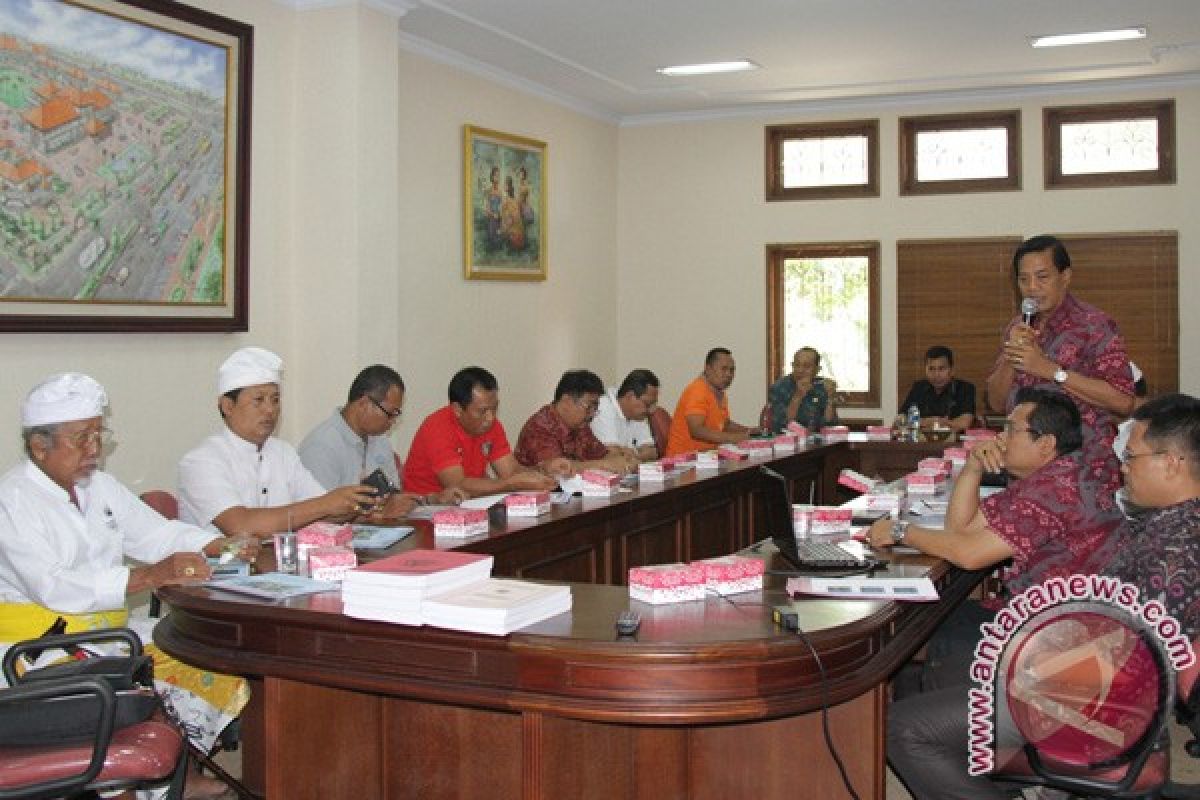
x=378, y=481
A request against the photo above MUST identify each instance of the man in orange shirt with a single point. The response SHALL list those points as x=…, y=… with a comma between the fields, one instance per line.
x=701, y=420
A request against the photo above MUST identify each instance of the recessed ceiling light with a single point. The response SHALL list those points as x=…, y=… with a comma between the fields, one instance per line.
x=740, y=65
x=1061, y=39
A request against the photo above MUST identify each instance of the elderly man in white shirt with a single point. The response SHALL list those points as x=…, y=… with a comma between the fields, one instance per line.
x=66, y=529
x=621, y=419
x=243, y=480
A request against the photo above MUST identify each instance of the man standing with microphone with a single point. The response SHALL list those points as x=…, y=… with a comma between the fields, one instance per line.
x=1061, y=341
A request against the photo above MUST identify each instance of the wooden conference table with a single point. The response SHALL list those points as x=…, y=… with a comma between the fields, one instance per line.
x=710, y=700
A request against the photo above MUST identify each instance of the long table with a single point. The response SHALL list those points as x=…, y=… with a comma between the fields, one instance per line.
x=711, y=700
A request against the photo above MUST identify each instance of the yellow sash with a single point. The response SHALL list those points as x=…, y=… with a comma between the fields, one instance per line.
x=21, y=621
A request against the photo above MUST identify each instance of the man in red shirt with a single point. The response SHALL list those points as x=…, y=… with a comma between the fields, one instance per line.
x=455, y=445
x=558, y=438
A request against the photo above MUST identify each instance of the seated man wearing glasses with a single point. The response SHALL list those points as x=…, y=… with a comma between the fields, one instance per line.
x=621, y=420
x=246, y=480
x=66, y=530
x=1157, y=550
x=558, y=438
x=353, y=442
x=1045, y=522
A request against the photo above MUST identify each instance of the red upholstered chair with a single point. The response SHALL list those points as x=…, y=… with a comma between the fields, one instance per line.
x=163, y=502
x=660, y=428
x=62, y=736
x=1082, y=703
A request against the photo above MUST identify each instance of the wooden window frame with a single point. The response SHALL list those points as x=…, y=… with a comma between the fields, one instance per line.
x=776, y=255
x=776, y=135
x=910, y=127
x=1053, y=119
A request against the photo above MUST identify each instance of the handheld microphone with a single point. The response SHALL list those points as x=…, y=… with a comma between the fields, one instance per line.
x=1029, y=308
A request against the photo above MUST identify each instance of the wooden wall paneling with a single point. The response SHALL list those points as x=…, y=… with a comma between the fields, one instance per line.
x=438, y=752
x=1134, y=278
x=953, y=292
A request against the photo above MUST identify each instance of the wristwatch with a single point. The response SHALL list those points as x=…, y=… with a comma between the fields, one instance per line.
x=1060, y=376
x=899, y=529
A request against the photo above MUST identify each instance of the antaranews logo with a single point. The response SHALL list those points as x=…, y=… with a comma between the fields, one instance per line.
x=1077, y=667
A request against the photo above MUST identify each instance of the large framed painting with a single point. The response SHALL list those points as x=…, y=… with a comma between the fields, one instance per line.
x=504, y=206
x=124, y=167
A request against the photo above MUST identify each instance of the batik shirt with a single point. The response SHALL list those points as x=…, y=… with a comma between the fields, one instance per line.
x=810, y=413
x=1159, y=552
x=1052, y=528
x=546, y=436
x=1083, y=339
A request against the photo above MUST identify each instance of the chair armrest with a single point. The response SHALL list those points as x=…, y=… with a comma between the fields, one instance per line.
x=66, y=640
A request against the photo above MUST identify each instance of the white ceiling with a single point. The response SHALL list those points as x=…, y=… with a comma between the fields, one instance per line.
x=600, y=55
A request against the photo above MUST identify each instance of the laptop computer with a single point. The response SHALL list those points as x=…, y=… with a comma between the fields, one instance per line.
x=805, y=556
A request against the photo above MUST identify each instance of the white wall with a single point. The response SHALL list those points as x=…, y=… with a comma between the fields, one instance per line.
x=693, y=226
x=355, y=249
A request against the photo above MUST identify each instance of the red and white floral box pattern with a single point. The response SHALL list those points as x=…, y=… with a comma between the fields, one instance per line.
x=667, y=583
x=527, y=504
x=330, y=563
x=322, y=534
x=785, y=443
x=956, y=455
x=935, y=466
x=730, y=452
x=884, y=501
x=798, y=429
x=923, y=483
x=879, y=433
x=856, y=480
x=708, y=459
x=600, y=477
x=830, y=519
x=653, y=471
x=732, y=574
x=835, y=433
x=460, y=522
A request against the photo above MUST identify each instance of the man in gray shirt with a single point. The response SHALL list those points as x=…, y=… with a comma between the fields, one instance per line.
x=353, y=442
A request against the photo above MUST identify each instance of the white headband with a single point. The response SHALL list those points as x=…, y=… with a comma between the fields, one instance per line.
x=63, y=398
x=249, y=366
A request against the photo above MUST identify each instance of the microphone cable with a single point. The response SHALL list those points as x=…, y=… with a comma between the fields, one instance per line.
x=837, y=759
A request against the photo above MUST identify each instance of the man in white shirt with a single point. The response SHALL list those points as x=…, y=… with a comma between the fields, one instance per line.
x=66, y=528
x=353, y=441
x=243, y=479
x=621, y=419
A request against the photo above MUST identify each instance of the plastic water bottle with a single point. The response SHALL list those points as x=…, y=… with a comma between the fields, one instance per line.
x=914, y=423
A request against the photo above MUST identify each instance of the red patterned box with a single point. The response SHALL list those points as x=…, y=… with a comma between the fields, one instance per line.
x=322, y=534
x=732, y=574
x=460, y=522
x=708, y=459
x=934, y=465
x=667, y=583
x=835, y=433
x=729, y=452
x=785, y=443
x=830, y=519
x=856, y=480
x=802, y=518
x=600, y=477
x=879, y=433
x=798, y=429
x=527, y=504
x=653, y=471
x=330, y=563
x=925, y=483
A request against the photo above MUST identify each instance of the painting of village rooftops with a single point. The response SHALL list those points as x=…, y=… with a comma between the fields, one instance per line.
x=124, y=166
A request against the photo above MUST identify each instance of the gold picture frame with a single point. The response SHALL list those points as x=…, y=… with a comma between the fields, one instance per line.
x=504, y=206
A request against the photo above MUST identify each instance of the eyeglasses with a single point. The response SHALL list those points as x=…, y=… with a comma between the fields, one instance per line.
x=1034, y=433
x=591, y=408
x=82, y=439
x=1128, y=455
x=392, y=414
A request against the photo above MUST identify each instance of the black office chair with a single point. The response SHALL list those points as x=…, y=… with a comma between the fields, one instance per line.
x=86, y=725
x=1083, y=698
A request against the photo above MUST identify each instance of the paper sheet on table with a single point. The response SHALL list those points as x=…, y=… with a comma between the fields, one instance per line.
x=485, y=502
x=425, y=512
x=571, y=484
x=906, y=589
